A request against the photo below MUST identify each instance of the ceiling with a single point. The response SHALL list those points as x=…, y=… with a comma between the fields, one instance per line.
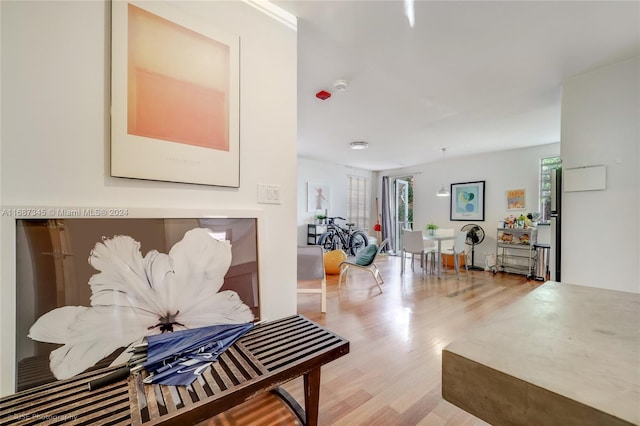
x=469, y=76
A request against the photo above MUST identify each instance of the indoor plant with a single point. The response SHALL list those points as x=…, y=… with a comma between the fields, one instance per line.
x=431, y=228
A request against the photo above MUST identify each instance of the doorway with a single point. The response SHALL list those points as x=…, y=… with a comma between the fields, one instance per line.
x=403, y=211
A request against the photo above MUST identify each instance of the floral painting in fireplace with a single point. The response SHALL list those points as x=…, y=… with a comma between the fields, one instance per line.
x=148, y=276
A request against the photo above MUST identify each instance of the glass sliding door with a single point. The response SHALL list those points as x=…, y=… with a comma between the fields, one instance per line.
x=403, y=207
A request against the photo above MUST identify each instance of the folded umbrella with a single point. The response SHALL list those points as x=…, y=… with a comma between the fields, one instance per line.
x=179, y=357
x=138, y=357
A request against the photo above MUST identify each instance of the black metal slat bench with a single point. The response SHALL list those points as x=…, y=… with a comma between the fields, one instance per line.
x=267, y=356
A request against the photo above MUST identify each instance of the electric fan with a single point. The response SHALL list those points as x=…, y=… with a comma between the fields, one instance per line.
x=475, y=235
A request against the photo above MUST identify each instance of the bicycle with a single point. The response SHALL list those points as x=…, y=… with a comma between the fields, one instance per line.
x=337, y=236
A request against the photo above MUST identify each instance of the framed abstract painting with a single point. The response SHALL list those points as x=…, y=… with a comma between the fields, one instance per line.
x=467, y=201
x=175, y=97
x=515, y=199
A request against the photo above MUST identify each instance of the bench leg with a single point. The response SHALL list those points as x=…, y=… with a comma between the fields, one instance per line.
x=312, y=396
x=291, y=402
x=309, y=415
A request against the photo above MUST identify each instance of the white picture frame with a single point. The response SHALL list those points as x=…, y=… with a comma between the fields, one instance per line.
x=318, y=197
x=174, y=113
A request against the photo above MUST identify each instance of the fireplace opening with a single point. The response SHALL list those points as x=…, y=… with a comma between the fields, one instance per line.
x=52, y=271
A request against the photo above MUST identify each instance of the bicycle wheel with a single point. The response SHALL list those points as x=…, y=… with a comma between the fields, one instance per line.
x=357, y=240
x=329, y=241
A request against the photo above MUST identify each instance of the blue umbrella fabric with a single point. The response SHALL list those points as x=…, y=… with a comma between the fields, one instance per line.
x=179, y=357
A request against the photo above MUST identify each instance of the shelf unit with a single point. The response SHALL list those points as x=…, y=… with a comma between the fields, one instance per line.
x=515, y=251
x=313, y=233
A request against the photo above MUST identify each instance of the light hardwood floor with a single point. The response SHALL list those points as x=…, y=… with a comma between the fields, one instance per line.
x=392, y=375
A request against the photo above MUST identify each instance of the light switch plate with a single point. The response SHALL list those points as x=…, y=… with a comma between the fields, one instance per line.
x=269, y=194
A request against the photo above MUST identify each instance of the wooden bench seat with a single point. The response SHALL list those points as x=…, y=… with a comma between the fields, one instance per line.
x=267, y=356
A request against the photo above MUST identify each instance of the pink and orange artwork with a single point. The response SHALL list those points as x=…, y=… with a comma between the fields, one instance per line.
x=175, y=94
x=178, y=83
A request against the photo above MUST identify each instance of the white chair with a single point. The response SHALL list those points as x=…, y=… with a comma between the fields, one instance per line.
x=446, y=246
x=430, y=251
x=311, y=268
x=459, y=249
x=412, y=243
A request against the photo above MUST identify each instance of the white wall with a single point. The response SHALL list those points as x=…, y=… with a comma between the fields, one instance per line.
x=501, y=171
x=600, y=229
x=55, y=134
x=331, y=174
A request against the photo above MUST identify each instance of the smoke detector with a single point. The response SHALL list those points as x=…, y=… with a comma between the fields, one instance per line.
x=341, y=85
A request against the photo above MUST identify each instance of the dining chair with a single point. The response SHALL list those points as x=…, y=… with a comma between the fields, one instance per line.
x=446, y=246
x=311, y=268
x=430, y=252
x=412, y=243
x=458, y=249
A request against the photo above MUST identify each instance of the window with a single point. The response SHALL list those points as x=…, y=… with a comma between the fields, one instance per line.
x=358, y=203
x=546, y=165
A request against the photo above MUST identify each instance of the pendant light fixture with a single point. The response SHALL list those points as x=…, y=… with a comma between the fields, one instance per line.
x=443, y=191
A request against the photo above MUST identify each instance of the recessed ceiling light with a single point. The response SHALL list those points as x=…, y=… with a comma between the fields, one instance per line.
x=359, y=145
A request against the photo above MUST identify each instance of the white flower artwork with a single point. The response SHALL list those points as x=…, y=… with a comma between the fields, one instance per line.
x=135, y=296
